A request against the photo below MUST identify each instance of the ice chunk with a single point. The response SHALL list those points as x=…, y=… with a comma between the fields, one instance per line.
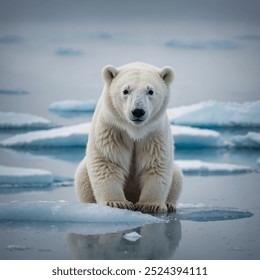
x=62, y=211
x=250, y=140
x=132, y=236
x=17, y=248
x=16, y=176
x=20, y=120
x=73, y=106
x=190, y=137
x=217, y=114
x=13, y=91
x=202, y=213
x=190, y=167
x=69, y=52
x=75, y=135
x=218, y=44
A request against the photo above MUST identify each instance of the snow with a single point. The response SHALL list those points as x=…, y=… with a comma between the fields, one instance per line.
x=21, y=120
x=75, y=135
x=26, y=177
x=203, y=213
x=250, y=140
x=217, y=114
x=132, y=236
x=190, y=167
x=62, y=211
x=73, y=106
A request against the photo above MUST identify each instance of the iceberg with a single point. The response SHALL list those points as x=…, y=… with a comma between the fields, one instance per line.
x=10, y=120
x=63, y=211
x=198, y=167
x=27, y=177
x=250, y=140
x=73, y=106
x=217, y=114
x=77, y=135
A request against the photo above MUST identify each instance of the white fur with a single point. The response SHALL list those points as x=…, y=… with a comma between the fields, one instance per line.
x=129, y=161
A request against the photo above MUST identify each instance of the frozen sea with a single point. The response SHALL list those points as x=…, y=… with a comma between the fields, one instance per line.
x=53, y=60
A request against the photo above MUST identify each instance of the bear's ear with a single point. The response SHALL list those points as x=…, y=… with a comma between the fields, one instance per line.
x=109, y=72
x=167, y=74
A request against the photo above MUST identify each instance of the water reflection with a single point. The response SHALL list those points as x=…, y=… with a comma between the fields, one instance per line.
x=158, y=241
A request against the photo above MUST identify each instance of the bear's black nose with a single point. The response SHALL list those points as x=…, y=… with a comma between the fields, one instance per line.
x=138, y=113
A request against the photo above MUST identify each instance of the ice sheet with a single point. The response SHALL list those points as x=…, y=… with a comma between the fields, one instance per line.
x=62, y=211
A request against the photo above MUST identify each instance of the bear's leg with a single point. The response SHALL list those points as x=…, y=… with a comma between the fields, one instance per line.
x=108, y=180
x=154, y=193
x=83, y=185
x=175, y=190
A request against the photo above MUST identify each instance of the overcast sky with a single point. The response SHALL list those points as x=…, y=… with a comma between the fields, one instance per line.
x=247, y=11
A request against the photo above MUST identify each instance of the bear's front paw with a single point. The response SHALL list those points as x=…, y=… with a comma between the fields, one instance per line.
x=150, y=207
x=171, y=207
x=121, y=204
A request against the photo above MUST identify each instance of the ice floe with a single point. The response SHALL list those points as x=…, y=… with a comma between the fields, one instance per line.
x=23, y=121
x=63, y=211
x=26, y=177
x=13, y=91
x=250, y=140
x=217, y=114
x=73, y=106
x=68, y=212
x=219, y=44
x=77, y=135
x=198, y=167
x=132, y=236
x=63, y=51
x=18, y=179
x=190, y=137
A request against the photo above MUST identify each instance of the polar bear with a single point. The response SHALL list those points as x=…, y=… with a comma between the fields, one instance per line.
x=129, y=160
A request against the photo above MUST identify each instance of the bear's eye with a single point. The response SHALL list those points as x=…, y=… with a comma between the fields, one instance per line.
x=150, y=92
x=125, y=91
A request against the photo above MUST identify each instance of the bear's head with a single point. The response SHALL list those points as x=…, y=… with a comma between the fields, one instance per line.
x=138, y=93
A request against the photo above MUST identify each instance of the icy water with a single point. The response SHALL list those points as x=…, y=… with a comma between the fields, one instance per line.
x=210, y=235
x=53, y=52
